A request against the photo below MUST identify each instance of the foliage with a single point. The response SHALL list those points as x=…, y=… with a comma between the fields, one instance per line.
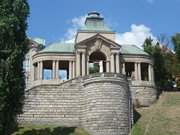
x=13, y=15
x=176, y=41
x=50, y=131
x=94, y=69
x=160, y=71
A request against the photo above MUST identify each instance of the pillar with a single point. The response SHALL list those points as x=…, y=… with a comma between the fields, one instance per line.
x=70, y=69
x=152, y=72
x=107, y=66
x=117, y=63
x=101, y=66
x=83, y=64
x=78, y=64
x=53, y=70
x=136, y=71
x=34, y=72
x=139, y=71
x=123, y=69
x=112, y=63
x=38, y=67
x=40, y=70
x=149, y=72
x=87, y=65
x=57, y=70
x=73, y=65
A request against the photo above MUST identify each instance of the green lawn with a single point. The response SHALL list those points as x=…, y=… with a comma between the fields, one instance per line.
x=48, y=130
x=162, y=118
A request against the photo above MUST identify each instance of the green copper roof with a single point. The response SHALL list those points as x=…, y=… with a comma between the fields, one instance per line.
x=96, y=28
x=95, y=22
x=69, y=47
x=132, y=49
x=59, y=47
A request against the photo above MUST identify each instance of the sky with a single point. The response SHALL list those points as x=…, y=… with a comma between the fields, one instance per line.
x=132, y=20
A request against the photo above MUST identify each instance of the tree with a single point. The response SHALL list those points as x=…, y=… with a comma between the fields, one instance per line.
x=13, y=46
x=176, y=42
x=154, y=50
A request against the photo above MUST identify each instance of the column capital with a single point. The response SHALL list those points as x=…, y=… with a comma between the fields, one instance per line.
x=81, y=50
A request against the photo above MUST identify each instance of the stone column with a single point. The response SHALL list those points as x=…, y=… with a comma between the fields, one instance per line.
x=33, y=72
x=149, y=72
x=136, y=71
x=57, y=70
x=87, y=65
x=107, y=66
x=152, y=73
x=123, y=68
x=53, y=70
x=78, y=64
x=112, y=63
x=83, y=64
x=101, y=66
x=139, y=71
x=73, y=64
x=70, y=69
x=40, y=70
x=117, y=63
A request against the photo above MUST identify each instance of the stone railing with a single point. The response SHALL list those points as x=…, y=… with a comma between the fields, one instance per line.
x=142, y=83
x=57, y=82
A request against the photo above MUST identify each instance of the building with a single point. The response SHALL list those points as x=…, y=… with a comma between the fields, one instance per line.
x=83, y=83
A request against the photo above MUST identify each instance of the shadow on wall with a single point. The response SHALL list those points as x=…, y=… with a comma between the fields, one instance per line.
x=48, y=131
x=137, y=115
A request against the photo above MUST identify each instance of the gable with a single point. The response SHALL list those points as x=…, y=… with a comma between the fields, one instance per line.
x=97, y=40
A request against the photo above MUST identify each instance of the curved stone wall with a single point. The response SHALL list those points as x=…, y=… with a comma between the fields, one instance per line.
x=100, y=103
x=106, y=106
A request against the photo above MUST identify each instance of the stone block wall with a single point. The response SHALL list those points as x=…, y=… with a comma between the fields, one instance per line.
x=100, y=103
x=53, y=105
x=143, y=95
x=106, y=106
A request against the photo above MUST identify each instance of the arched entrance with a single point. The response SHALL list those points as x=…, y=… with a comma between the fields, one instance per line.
x=97, y=62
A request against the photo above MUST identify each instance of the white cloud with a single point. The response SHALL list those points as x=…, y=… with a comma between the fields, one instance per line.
x=136, y=36
x=76, y=23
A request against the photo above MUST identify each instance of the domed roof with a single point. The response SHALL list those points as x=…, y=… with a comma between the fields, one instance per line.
x=95, y=22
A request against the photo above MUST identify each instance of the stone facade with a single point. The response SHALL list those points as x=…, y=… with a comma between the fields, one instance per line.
x=100, y=103
x=62, y=89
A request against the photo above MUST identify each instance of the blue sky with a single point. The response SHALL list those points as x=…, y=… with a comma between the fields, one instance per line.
x=132, y=19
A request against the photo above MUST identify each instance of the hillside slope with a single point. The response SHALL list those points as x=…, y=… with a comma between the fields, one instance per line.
x=162, y=118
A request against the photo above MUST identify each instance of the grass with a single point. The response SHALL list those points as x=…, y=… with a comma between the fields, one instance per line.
x=162, y=118
x=49, y=130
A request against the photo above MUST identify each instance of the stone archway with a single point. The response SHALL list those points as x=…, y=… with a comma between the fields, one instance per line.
x=97, y=62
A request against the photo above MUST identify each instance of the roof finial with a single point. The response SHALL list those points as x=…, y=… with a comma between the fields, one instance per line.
x=94, y=13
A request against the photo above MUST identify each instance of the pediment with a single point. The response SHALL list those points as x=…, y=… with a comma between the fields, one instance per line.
x=97, y=40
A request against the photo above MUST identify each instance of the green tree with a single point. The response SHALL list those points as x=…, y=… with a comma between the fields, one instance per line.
x=160, y=72
x=176, y=42
x=13, y=46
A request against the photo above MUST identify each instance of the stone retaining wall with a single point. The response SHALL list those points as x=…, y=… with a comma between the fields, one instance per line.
x=100, y=103
x=106, y=106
